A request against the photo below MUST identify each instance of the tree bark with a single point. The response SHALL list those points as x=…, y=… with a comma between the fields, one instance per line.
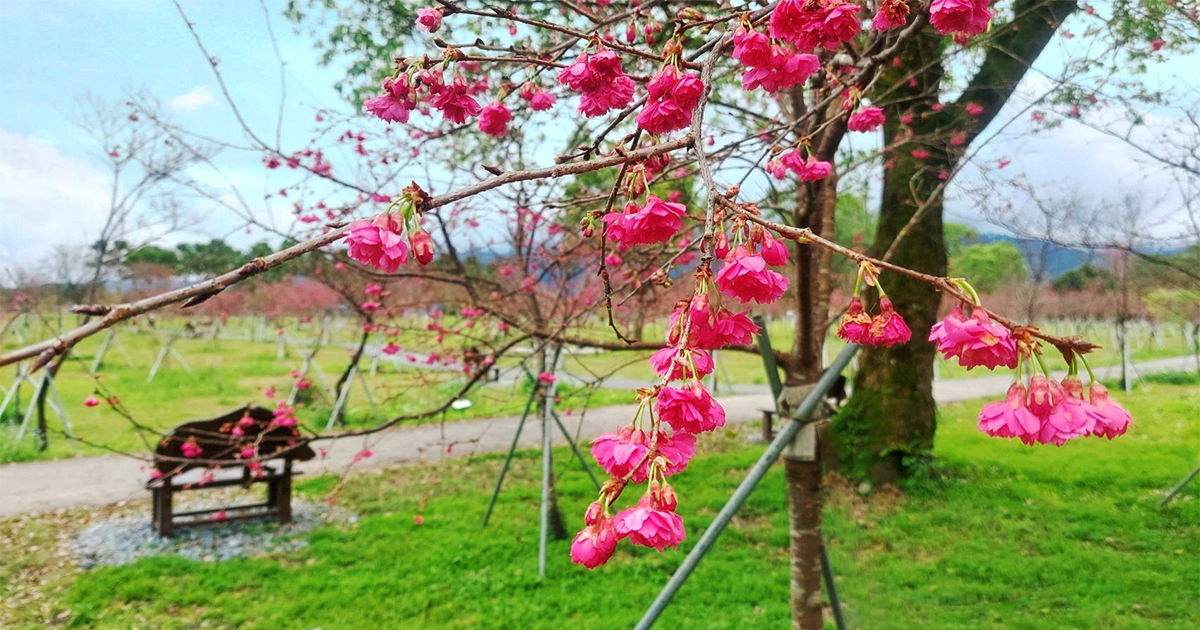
x=889, y=423
x=804, y=519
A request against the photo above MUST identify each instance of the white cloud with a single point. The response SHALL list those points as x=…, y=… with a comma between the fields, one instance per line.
x=198, y=97
x=46, y=198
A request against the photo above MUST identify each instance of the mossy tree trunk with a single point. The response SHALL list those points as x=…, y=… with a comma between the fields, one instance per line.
x=889, y=424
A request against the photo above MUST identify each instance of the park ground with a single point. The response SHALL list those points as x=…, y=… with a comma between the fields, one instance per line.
x=993, y=535
x=230, y=369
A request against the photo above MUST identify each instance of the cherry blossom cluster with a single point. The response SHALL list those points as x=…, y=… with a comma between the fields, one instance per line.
x=644, y=451
x=885, y=328
x=382, y=243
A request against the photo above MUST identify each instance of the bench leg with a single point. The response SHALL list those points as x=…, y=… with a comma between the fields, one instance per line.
x=283, y=494
x=163, y=517
x=767, y=433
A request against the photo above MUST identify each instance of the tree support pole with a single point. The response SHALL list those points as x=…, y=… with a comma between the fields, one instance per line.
x=575, y=449
x=786, y=434
x=508, y=458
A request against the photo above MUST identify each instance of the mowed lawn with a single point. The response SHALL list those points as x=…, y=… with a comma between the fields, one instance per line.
x=999, y=536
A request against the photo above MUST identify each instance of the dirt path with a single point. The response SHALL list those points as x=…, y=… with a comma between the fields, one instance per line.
x=66, y=483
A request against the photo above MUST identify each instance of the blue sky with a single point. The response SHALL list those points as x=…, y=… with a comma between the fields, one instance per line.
x=52, y=51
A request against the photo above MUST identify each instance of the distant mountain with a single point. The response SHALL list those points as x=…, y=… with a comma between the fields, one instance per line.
x=1059, y=260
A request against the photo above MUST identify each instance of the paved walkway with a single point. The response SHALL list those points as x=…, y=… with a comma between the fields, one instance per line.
x=86, y=481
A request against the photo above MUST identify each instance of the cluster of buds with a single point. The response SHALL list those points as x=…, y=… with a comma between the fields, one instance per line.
x=886, y=328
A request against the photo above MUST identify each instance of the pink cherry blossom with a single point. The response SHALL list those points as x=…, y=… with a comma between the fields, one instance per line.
x=397, y=101
x=1044, y=396
x=974, y=109
x=751, y=47
x=594, y=545
x=1108, y=418
x=774, y=251
x=455, y=102
x=547, y=378
x=494, y=118
x=747, y=278
x=378, y=243
x=655, y=222
x=888, y=327
x=542, y=101
x=422, y=245
x=677, y=364
x=968, y=17
x=429, y=19
x=1009, y=417
x=690, y=409
x=600, y=80
x=1067, y=421
x=866, y=119
x=673, y=96
x=653, y=523
x=91, y=401
x=892, y=14
x=191, y=449
x=855, y=324
x=737, y=329
x=976, y=340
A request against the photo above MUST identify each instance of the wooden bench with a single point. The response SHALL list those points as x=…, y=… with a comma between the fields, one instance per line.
x=220, y=465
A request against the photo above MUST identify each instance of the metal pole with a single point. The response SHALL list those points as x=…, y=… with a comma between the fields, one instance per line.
x=575, y=449
x=1179, y=486
x=786, y=434
x=835, y=602
x=508, y=458
x=547, y=416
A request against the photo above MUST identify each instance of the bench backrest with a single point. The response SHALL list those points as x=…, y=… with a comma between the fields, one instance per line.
x=219, y=440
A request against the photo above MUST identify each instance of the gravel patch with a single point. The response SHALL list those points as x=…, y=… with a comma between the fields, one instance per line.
x=123, y=539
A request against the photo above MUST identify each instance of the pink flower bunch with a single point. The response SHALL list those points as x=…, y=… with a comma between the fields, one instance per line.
x=1054, y=413
x=961, y=17
x=678, y=364
x=673, y=96
x=653, y=523
x=655, y=222
x=454, y=100
x=429, y=19
x=975, y=340
x=770, y=67
x=707, y=327
x=884, y=329
x=538, y=99
x=190, y=448
x=745, y=276
x=378, y=243
x=285, y=415
x=397, y=101
x=600, y=80
x=866, y=119
x=494, y=119
x=812, y=23
x=810, y=170
x=690, y=409
x=892, y=14
x=625, y=453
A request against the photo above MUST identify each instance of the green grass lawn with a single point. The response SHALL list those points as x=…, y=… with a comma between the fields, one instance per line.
x=999, y=536
x=226, y=374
